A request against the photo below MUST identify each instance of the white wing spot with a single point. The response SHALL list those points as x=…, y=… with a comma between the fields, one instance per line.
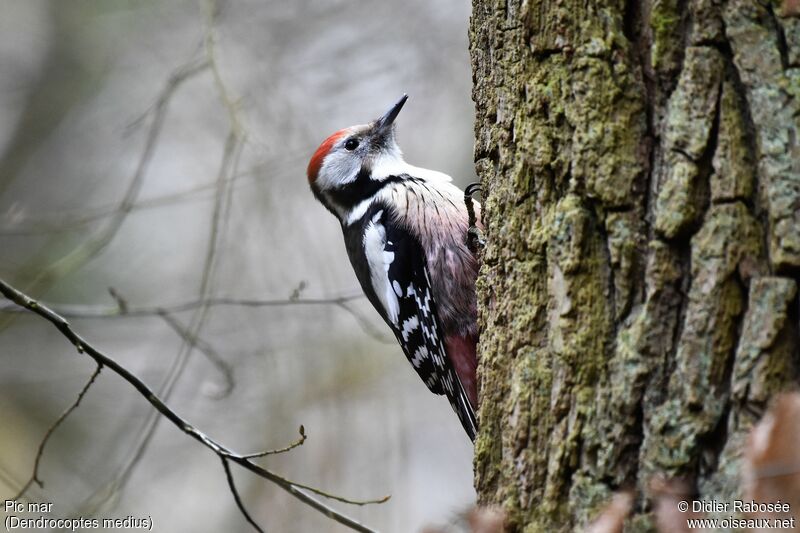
x=419, y=356
x=408, y=326
x=374, y=243
x=388, y=257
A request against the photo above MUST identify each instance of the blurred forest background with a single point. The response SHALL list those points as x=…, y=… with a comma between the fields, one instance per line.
x=159, y=149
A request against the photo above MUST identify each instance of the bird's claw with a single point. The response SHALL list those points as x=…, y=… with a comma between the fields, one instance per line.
x=475, y=240
x=471, y=189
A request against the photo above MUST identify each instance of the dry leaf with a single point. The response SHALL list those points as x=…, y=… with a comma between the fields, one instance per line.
x=486, y=520
x=790, y=8
x=475, y=520
x=668, y=495
x=771, y=469
x=613, y=516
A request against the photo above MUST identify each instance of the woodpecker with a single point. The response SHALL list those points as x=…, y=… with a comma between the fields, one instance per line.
x=405, y=231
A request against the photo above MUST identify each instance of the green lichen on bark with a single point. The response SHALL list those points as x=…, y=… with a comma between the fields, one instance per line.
x=764, y=59
x=724, y=248
x=643, y=343
x=577, y=113
x=691, y=113
x=665, y=27
x=734, y=174
x=765, y=350
x=640, y=168
x=765, y=364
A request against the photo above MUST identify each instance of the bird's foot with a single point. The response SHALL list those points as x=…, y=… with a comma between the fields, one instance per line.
x=475, y=240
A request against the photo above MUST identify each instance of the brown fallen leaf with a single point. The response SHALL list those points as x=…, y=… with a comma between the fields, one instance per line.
x=771, y=467
x=668, y=495
x=487, y=520
x=790, y=8
x=612, y=517
x=475, y=520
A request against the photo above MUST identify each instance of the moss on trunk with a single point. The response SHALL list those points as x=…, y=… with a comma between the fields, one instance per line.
x=638, y=297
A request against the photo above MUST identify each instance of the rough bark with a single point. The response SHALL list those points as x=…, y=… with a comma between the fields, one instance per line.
x=638, y=296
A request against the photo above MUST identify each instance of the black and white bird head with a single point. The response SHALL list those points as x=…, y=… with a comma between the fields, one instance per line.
x=354, y=162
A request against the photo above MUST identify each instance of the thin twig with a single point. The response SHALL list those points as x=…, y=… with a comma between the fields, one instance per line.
x=197, y=320
x=105, y=311
x=211, y=354
x=91, y=247
x=342, y=499
x=292, y=446
x=108, y=311
x=367, y=326
x=122, y=303
x=236, y=497
x=35, y=475
x=71, y=219
x=84, y=346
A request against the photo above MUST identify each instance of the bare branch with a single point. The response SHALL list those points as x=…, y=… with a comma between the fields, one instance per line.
x=292, y=446
x=230, y=103
x=94, y=245
x=35, y=475
x=122, y=303
x=366, y=324
x=342, y=499
x=236, y=497
x=105, y=311
x=219, y=218
x=297, y=291
x=211, y=354
x=71, y=219
x=83, y=346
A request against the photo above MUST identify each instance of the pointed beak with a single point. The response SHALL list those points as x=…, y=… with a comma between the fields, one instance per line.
x=385, y=122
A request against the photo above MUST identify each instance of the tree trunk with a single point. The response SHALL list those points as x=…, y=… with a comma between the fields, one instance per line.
x=638, y=295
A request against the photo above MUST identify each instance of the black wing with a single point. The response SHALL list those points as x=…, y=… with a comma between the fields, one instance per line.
x=417, y=325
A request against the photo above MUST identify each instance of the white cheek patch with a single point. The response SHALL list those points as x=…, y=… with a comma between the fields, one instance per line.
x=338, y=168
x=379, y=262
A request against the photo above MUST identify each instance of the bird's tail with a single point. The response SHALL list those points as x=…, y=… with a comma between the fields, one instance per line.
x=463, y=408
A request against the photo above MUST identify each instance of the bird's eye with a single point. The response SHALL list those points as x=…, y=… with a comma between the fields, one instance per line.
x=351, y=144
